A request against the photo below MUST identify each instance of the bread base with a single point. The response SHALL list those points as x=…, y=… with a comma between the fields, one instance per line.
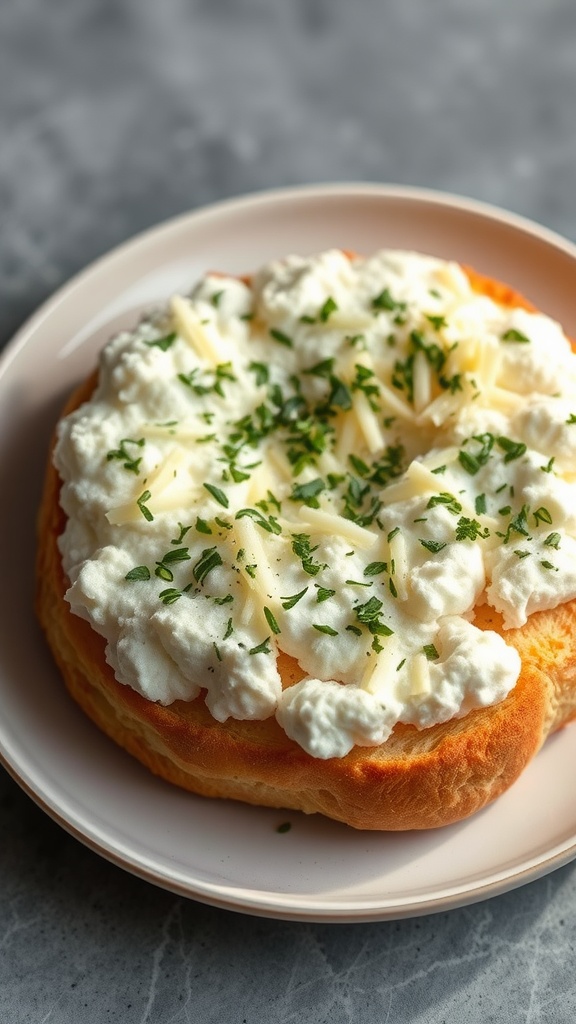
x=418, y=779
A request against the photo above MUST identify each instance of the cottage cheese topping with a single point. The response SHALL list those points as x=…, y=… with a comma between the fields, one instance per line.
x=337, y=462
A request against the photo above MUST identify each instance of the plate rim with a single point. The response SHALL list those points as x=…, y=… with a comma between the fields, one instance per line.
x=261, y=902
x=262, y=197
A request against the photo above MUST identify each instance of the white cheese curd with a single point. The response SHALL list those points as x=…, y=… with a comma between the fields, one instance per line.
x=238, y=686
x=336, y=461
x=528, y=578
x=327, y=719
x=550, y=423
x=476, y=668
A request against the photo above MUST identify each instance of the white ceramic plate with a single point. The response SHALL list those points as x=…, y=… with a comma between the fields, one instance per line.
x=223, y=853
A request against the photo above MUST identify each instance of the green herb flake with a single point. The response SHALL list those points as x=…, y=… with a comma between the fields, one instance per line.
x=548, y=467
x=202, y=526
x=433, y=545
x=281, y=338
x=518, y=524
x=170, y=596
x=217, y=494
x=271, y=620
x=470, y=529
x=375, y=568
x=209, y=559
x=322, y=369
x=268, y=523
x=571, y=419
x=128, y=462
x=289, y=602
x=513, y=335
x=369, y=614
x=553, y=541
x=480, y=504
x=322, y=628
x=430, y=652
x=328, y=308
x=163, y=343
x=542, y=515
x=385, y=301
x=138, y=574
x=308, y=492
x=183, y=531
x=303, y=550
x=229, y=630
x=521, y=552
x=263, y=648
x=513, y=449
x=548, y=565
x=472, y=461
x=323, y=593
x=447, y=500
x=260, y=371
x=438, y=322
x=144, y=497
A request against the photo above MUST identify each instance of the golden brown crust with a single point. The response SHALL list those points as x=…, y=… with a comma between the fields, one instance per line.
x=416, y=780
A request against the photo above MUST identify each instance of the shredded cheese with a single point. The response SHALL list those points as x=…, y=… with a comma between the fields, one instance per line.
x=207, y=345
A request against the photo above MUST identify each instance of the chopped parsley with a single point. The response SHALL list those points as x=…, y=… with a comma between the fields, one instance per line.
x=514, y=335
x=513, y=449
x=202, y=526
x=375, y=568
x=163, y=343
x=542, y=515
x=217, y=494
x=289, y=602
x=263, y=648
x=328, y=308
x=260, y=371
x=144, y=497
x=370, y=615
x=308, y=493
x=447, y=500
x=281, y=338
x=433, y=545
x=138, y=573
x=271, y=620
x=470, y=529
x=209, y=560
x=128, y=461
x=303, y=550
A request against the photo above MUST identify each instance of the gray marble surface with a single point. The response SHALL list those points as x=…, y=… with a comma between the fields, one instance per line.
x=115, y=114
